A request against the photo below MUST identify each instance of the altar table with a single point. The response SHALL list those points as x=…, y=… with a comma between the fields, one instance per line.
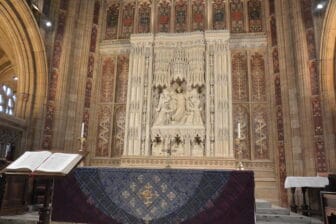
x=317, y=181
x=294, y=182
x=130, y=195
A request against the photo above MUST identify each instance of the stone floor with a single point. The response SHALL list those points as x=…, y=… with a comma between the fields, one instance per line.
x=265, y=214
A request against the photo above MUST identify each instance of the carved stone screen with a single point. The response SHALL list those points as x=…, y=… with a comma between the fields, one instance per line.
x=179, y=95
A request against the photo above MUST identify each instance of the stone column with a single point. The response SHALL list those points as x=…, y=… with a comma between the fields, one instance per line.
x=219, y=103
x=137, y=130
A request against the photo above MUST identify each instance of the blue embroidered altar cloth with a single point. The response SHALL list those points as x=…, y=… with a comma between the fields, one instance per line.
x=157, y=196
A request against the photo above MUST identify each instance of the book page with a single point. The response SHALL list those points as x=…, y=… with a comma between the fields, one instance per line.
x=29, y=161
x=60, y=163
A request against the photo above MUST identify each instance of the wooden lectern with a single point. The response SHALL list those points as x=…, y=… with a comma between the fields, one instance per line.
x=53, y=165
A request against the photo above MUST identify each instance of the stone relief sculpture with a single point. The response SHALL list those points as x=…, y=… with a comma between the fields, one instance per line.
x=178, y=111
x=194, y=109
x=179, y=108
x=163, y=109
x=179, y=86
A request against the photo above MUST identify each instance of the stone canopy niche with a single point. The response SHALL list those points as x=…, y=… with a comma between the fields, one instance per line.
x=179, y=96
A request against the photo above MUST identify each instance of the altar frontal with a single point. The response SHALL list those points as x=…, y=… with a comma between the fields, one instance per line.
x=115, y=195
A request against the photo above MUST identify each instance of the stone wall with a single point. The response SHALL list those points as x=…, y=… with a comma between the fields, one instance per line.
x=276, y=80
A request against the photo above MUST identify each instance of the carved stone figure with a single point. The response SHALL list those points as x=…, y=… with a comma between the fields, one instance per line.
x=163, y=109
x=181, y=87
x=194, y=108
x=179, y=106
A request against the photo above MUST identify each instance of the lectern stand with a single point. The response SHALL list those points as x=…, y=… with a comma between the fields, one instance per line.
x=49, y=177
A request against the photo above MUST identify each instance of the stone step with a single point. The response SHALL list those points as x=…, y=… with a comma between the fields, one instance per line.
x=263, y=204
x=16, y=221
x=273, y=210
x=292, y=218
x=27, y=218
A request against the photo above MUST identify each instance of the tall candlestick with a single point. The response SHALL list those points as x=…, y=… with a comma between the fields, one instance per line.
x=82, y=130
x=238, y=130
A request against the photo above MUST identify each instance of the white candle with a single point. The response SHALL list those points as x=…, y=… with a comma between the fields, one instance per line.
x=238, y=130
x=82, y=130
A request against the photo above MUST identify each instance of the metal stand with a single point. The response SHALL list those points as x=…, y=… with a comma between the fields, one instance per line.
x=240, y=165
x=82, y=149
x=82, y=142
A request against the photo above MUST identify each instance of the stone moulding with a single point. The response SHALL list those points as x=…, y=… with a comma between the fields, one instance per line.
x=180, y=162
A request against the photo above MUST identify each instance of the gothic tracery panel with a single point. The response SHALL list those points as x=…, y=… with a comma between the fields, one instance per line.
x=107, y=81
x=237, y=16
x=239, y=76
x=112, y=105
x=127, y=22
x=218, y=15
x=255, y=16
x=121, y=81
x=112, y=16
x=104, y=130
x=258, y=77
x=118, y=130
x=144, y=17
x=241, y=115
x=164, y=9
x=198, y=15
x=259, y=120
x=181, y=15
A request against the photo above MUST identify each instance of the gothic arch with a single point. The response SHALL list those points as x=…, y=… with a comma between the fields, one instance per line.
x=328, y=77
x=21, y=40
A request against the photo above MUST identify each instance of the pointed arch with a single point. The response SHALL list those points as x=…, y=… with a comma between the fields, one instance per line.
x=21, y=40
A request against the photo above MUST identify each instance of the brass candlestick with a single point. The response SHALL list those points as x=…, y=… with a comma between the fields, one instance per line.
x=82, y=150
x=240, y=165
x=82, y=142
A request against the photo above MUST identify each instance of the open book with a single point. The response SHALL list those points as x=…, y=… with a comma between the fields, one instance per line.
x=46, y=162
